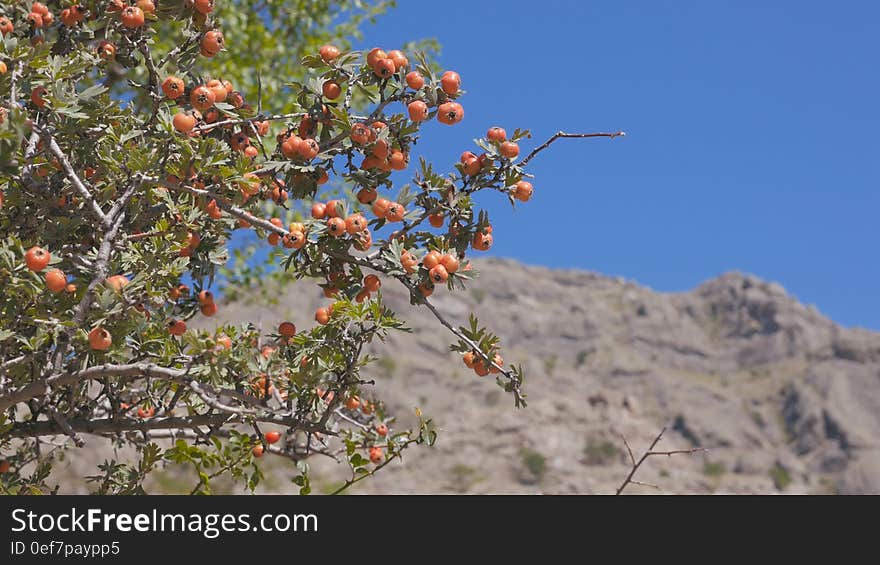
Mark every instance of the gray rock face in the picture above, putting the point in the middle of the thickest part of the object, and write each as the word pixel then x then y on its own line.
pixel 784 399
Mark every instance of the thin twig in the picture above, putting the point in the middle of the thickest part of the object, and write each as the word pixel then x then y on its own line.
pixel 649 453
pixel 560 135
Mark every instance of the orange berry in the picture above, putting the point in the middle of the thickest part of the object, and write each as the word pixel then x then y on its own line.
pixel 400 60
pixel 319 210
pixel 308 149
pixel 72 16
pixel 497 360
pixel 355 223
pixel 450 82
pixel 450 113
pixel 208 309
pixel 184 122
pixel 384 68
pixel 106 50
pixel 295 240
pixel 372 283
pixel 471 164
pixel 395 212
pixel 322 316
pixel 418 111
pixel 37 259
pixel 100 339
pixel 35 19
pixel 398 160
pixel 482 242
pixel 336 227
pixel 202 98
pixel 37 95
pixel 376 454
pixel 450 262
pixel 375 55
pixel 381 149
pixel 436 220
pixel 360 134
pixel 415 80
pixel 367 195
pixel 382 430
pixel 496 134
pixel 431 259
pixel 363 241
pixel 509 149
pixel 173 87
pixel 380 207
pixel 176 327
pixel 257 451
pixel 132 17
pixel 287 329
pixel 290 148
pixel 329 53
pixel 331 90
pixel 469 358
pixel 203 7
pixel 146 413
pixel 353 403
pixel 333 208
pixel 56 281
pixel 272 437
pixel 236 99
pixel 523 191
pixel 438 274
pixel 219 90
pixel 212 43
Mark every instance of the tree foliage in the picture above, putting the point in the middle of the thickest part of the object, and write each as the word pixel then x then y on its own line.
pixel 135 142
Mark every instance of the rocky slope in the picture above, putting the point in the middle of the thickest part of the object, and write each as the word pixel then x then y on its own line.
pixel 784 399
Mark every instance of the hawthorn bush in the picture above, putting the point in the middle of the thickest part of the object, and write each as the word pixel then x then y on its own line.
pixel 130 158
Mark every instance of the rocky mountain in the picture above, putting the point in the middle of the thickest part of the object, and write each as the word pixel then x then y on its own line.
pixel 785 400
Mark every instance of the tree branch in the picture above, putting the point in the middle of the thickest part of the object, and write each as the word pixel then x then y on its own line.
pixel 650 453
pixel 71 174
pixel 113 426
pixel 560 135
pixel 131 371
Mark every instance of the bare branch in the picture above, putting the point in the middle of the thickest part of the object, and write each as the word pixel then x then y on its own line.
pixel 560 135
pixel 13 83
pixel 649 453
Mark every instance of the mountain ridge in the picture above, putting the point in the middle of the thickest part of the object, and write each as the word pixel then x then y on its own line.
pixel 784 399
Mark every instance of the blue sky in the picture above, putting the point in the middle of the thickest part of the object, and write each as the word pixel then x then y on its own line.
pixel 752 136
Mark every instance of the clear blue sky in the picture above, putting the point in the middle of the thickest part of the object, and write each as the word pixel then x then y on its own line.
pixel 752 145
